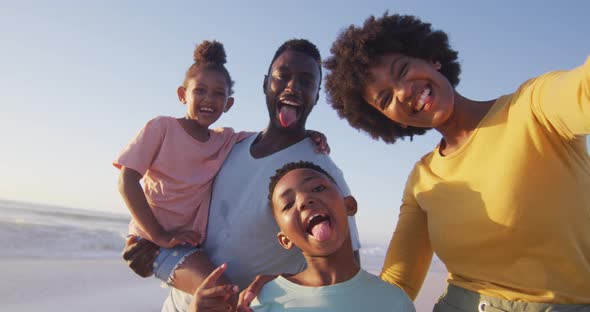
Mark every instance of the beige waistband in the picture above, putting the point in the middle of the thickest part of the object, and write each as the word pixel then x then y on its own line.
pixel 460 299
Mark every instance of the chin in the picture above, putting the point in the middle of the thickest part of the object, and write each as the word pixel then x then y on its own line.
pixel 320 253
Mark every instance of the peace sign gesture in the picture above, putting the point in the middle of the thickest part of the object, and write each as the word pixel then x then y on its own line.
pixel 209 297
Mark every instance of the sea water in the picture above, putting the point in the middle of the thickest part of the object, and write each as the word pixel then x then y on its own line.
pixel 46 231
pixel 35 230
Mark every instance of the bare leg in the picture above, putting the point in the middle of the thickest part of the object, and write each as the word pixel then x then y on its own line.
pixel 193 271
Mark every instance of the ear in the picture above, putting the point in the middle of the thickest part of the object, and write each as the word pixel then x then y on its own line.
pixel 437 65
pixel 351 205
pixel 181 92
pixel 228 104
pixel 264 83
pixel 284 241
pixel 403 125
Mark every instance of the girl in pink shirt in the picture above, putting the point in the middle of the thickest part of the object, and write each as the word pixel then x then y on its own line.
pixel 178 158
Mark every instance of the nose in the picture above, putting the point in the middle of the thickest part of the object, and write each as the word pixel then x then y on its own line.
pixel 402 92
pixel 209 96
pixel 293 85
pixel 305 203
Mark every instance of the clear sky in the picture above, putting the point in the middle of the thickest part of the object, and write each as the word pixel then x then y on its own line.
pixel 78 79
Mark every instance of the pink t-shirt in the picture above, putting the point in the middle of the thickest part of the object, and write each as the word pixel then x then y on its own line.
pixel 178 171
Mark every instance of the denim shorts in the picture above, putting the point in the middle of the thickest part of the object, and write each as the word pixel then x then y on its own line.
pixel 170 259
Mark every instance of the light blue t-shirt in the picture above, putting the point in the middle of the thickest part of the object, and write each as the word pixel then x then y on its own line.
pixel 242 230
pixel 363 292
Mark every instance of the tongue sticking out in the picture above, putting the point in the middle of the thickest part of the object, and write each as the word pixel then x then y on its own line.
pixel 322 230
pixel 287 115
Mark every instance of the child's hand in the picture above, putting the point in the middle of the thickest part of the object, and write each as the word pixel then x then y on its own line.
pixel 209 297
pixel 320 141
pixel 248 294
pixel 140 255
pixel 171 239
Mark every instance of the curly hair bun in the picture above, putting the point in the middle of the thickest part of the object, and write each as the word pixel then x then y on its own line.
pixel 210 52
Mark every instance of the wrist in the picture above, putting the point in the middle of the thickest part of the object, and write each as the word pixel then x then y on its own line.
pixel 157 234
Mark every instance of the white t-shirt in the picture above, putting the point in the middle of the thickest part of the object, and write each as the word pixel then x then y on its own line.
pixel 242 230
pixel 363 292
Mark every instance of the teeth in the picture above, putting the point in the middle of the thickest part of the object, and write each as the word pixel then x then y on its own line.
pixel 207 109
pixel 312 217
pixel 421 99
pixel 289 102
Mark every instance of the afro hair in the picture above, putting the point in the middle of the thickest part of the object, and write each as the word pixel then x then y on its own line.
pixel 357 49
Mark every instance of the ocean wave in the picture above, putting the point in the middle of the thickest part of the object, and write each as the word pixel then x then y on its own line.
pixel 373 250
pixel 58 241
pixel 13 208
pixel 34 230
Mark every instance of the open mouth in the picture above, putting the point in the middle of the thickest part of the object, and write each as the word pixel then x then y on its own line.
pixel 206 110
pixel 319 226
pixel 423 100
pixel 288 111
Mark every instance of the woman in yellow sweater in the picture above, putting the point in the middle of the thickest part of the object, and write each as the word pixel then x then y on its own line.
pixel 504 199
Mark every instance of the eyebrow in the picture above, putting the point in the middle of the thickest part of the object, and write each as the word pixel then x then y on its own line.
pixel 281 68
pixel 284 68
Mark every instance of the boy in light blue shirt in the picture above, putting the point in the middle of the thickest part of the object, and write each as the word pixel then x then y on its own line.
pixel 312 215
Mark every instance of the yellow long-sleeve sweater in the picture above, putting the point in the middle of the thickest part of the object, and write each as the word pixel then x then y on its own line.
pixel 508 213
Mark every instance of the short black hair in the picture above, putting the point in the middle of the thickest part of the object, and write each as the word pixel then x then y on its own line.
pixel 299 45
pixel 281 172
pixel 357 49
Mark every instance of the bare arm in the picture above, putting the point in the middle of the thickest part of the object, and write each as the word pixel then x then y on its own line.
pixel 194 271
pixel 139 208
pixel 134 197
pixel 140 255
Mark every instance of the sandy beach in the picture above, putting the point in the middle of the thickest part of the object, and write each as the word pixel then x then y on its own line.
pixel 53 285
pixel 433 287
pixel 30 284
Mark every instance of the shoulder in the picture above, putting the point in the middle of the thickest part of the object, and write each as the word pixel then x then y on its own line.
pixel 424 163
pixel 161 122
pixel 390 294
pixel 156 127
pixel 580 73
pixel 533 84
pixel 374 281
pixel 306 149
pixel 163 119
pixel 224 131
pixel 271 291
pixel 229 134
pixel 302 151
